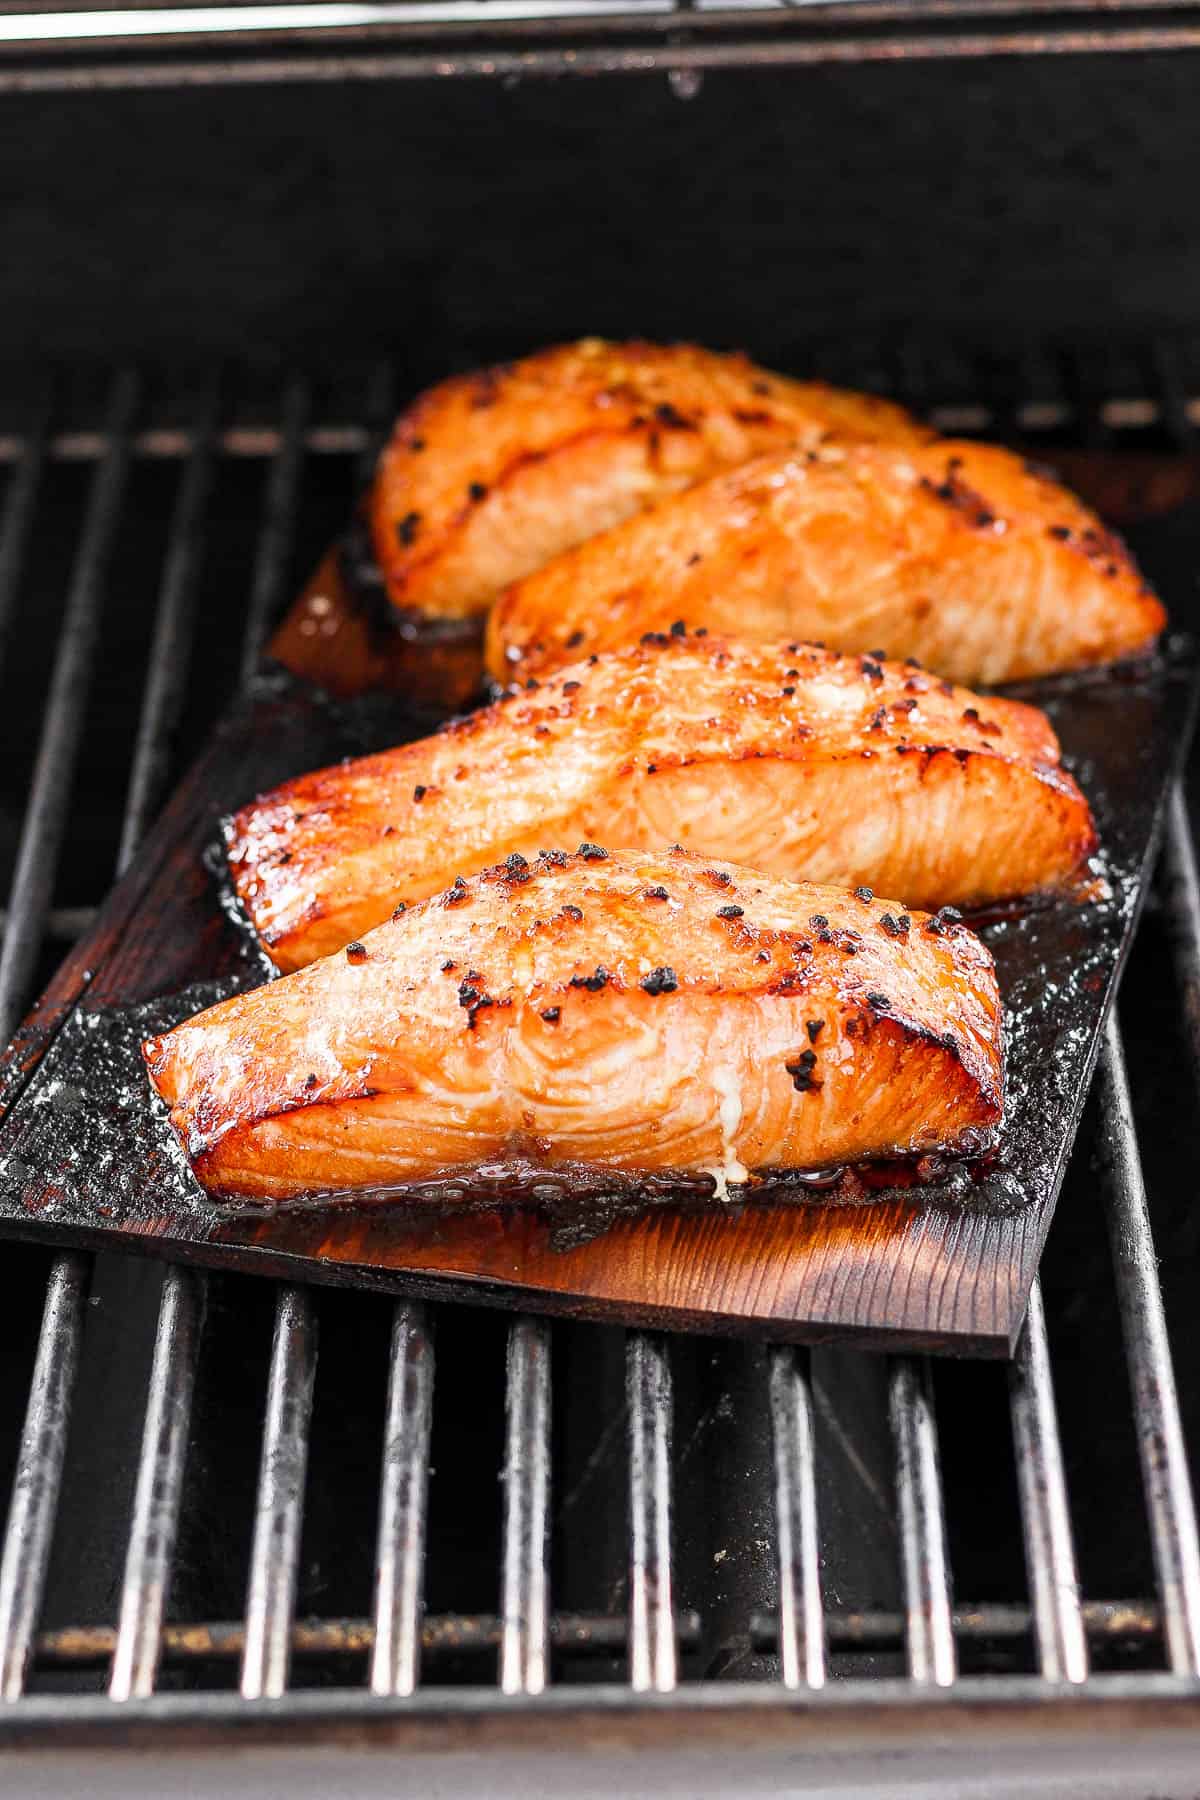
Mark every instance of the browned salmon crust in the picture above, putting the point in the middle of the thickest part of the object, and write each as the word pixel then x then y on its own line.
pixel 783 757
pixel 489 475
pixel 651 1012
pixel 957 553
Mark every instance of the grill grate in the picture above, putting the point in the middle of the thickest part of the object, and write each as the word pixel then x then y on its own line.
pixel 620 1524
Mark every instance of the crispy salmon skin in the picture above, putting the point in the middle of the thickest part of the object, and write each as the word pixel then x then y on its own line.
pixel 488 476
pixel 957 553
pixel 784 757
pixel 653 1012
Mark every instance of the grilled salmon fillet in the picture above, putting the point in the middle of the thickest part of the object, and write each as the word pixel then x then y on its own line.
pixel 489 475
pixel 644 1012
pixel 957 553
pixel 785 757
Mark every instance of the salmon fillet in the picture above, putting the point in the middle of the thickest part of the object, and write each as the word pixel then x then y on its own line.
pixel 489 475
pixel 954 552
pixel 787 758
pixel 634 1012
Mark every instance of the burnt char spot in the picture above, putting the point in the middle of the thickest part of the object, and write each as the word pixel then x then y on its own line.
pixel 819 922
pixel 516 869
pixel 814 1028
pixel 356 953
pixel 593 853
pixel 477 491
pixel 865 894
pixel 457 894
pixel 801 1071
pixel 655 893
pixel 593 983
pixel 407 529
pixel 955 492
pixel 553 859
pixel 668 415
pixel 571 687
pixel 879 1003
pixel 401 908
pixel 730 912
pixel 448 965
pixel 678 628
pixel 1061 532
pixel 419 793
pixel 574 641
pixel 870 669
pixel 659 981
pixel 310 1082
pixel 572 912
pixel 718 877
pixel 551 1014
pixel 895 927
pixel 944 917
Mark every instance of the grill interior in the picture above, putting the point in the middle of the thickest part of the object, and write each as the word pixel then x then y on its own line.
pixel 218 1487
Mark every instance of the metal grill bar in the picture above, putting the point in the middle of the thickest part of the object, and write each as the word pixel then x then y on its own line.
pixel 171 649
pixel 28 68
pixel 280 1508
pixel 449 1634
pixel 925 1565
pixel 400 1553
pixel 1181 895
pixel 168 443
pixel 19 505
pixel 524 1647
pixel 34 1502
pixel 801 1616
pixel 171 443
pixel 279 518
pixel 1161 1447
pixel 1130 1623
pixel 46 814
pixel 159 1487
pixel 276 1546
pixel 651 1611
pixel 1049 1550
pixel 1175 409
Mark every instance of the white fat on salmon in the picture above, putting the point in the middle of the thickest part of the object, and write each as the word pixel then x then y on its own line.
pixel 729 1113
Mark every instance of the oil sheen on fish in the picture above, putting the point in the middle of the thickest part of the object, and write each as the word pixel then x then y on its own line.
pixel 641 1012
pixel 957 553
pixel 784 757
pixel 489 475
